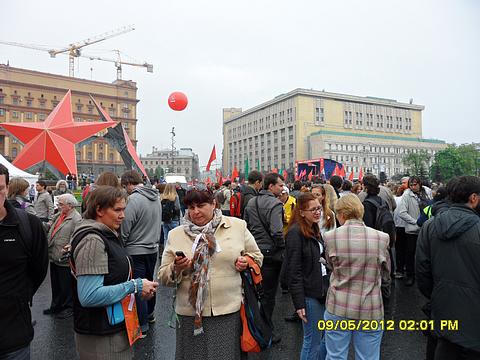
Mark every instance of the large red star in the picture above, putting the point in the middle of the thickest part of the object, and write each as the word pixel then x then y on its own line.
pixel 54 139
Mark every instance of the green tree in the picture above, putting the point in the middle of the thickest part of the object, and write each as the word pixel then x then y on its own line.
pixel 454 161
pixel 159 172
pixel 417 164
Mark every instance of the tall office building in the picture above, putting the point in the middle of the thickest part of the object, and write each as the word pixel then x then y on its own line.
pixel 29 96
pixel 368 132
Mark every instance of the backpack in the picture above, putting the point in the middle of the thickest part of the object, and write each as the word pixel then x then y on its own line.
pixel 257 329
pixel 383 218
pixel 236 204
pixel 220 197
pixel 168 210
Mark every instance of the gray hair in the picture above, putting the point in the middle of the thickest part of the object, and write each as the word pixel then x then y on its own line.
pixel 60 182
pixel 68 199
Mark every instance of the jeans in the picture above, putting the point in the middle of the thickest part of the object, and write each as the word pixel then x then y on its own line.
pixel 61 283
pixel 365 343
pixel 21 354
pixel 167 226
pixel 411 240
pixel 270 275
pixel 447 350
pixel 144 267
pixel 400 250
pixel 313 347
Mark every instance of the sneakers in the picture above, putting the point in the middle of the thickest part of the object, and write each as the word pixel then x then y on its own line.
pixel 151 318
pixel 50 311
pixel 65 314
pixel 398 275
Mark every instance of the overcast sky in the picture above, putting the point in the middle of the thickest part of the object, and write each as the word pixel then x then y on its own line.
pixel 227 53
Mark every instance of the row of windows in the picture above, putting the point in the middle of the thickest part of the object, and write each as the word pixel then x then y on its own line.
pixel 267 122
pixel 41 116
pixel 375 148
pixel 397 125
pixel 166 162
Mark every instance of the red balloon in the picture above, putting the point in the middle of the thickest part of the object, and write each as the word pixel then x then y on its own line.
pixel 177 101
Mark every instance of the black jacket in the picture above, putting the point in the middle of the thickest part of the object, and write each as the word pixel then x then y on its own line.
pixel 248 193
pixel 23 266
pixel 448 272
pixel 270 211
pixel 304 272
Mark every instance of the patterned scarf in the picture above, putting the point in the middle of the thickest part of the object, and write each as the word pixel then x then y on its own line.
pixel 205 246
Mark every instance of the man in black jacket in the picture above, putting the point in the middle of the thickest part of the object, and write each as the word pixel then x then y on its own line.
pixel 264 217
pixel 250 190
pixel 448 270
pixel 23 266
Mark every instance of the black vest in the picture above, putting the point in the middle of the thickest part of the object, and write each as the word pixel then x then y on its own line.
pixel 94 320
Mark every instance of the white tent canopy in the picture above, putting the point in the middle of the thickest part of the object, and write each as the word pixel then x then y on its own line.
pixel 16 172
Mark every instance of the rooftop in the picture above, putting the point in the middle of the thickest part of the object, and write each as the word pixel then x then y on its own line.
pixel 328 95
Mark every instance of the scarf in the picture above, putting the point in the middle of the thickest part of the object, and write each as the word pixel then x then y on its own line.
pixel 204 247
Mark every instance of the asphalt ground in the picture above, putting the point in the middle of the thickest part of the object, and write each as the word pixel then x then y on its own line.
pixel 54 338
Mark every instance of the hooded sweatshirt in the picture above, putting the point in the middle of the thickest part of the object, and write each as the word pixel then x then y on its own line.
pixel 448 272
pixel 142 225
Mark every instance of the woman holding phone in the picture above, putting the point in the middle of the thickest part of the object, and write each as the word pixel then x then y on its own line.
pixel 203 259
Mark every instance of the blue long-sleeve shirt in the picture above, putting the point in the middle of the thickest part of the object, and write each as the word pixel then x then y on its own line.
pixel 92 292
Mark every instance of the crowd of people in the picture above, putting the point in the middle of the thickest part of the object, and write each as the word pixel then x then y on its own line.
pixel 335 246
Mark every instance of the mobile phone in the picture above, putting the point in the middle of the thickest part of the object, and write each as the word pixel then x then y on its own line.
pixel 180 253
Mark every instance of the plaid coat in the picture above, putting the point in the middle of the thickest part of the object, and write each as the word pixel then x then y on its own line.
pixel 360 263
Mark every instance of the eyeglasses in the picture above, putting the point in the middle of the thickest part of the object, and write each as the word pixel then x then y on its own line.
pixel 199 187
pixel 314 210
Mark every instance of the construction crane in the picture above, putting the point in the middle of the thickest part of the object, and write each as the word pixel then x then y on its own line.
pixel 73 50
pixel 118 63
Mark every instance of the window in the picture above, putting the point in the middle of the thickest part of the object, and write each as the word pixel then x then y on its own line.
pixel 125 115
pixel 15 101
pixel 29 103
pixel 41 116
pixel 15 114
pixel 79 108
pixel 1 100
pixel 2 112
pixel 28 115
pixel 79 155
pixel 14 152
pixel 89 156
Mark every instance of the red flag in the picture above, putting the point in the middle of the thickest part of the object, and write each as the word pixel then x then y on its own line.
pixel 208 181
pixel 213 156
pixel 296 177
pixel 218 175
pixel 342 172
pixel 335 171
pixel 285 174
pixel 310 176
pixel 275 170
pixel 235 173
pixel 351 175
pixel 360 174
pixel 322 165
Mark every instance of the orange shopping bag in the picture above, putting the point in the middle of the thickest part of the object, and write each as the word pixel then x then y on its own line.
pixel 132 324
pixel 129 307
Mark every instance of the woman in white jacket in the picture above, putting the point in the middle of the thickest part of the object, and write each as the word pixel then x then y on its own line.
pixel 413 201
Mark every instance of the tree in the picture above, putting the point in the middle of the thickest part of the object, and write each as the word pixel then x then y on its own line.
pixel 455 161
pixel 417 164
pixel 159 172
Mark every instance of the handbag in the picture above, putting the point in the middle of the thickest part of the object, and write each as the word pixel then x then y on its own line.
pixel 129 307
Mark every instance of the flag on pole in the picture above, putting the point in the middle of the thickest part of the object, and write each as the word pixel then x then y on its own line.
pixel 351 175
pixel 218 175
pixel 213 156
pixel 234 173
pixel 247 167
pixel 285 174
pixel 310 175
pixel 322 165
pixel 258 164
pixel 275 170
pixel 360 174
pixel 342 171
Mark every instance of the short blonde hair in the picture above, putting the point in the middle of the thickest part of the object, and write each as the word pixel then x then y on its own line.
pixel 17 186
pixel 350 207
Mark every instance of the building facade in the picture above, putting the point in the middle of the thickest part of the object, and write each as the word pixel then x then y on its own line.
pixel 30 96
pixel 183 162
pixel 372 133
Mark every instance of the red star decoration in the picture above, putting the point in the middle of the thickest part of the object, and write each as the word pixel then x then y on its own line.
pixel 54 139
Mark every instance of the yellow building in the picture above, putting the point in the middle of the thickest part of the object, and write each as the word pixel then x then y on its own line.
pixel 305 124
pixel 30 96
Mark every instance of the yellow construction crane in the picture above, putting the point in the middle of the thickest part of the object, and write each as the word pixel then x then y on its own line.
pixel 73 50
pixel 118 63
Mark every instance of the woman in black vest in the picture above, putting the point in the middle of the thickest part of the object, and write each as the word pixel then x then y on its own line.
pixel 102 269
pixel 306 272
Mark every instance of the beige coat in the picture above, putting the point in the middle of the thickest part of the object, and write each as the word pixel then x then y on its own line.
pixel 62 236
pixel 224 290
